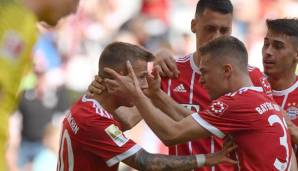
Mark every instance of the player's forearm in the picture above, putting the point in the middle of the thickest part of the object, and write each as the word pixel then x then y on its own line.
pixel 294 133
pixel 157 162
pixel 293 129
pixel 293 162
pixel 161 124
pixel 169 106
pixel 128 117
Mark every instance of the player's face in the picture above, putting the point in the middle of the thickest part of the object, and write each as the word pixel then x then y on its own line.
pixel 58 9
pixel 141 71
pixel 211 25
pixel 212 77
pixel 279 54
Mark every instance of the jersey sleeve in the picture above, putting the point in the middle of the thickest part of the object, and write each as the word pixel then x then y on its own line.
pixel 221 119
pixel 259 80
pixel 104 138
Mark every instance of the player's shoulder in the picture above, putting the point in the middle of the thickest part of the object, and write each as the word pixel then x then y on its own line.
pixel 254 70
pixel 243 95
pixel 240 99
pixel 184 59
pixel 291 91
pixel 88 108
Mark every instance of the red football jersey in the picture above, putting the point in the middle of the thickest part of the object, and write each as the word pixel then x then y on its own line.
pixel 288 100
pixel 188 91
pixel 256 124
pixel 92 140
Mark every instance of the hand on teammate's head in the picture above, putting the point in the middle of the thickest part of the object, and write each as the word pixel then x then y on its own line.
pixel 154 82
pixel 96 87
pixel 165 61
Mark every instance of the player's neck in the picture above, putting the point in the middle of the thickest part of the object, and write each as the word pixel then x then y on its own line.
pixel 240 82
pixel 282 82
pixel 106 101
pixel 197 58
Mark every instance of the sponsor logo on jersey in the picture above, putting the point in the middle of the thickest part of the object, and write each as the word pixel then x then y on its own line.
pixel 218 107
pixel 180 88
pixel 292 110
pixel 116 135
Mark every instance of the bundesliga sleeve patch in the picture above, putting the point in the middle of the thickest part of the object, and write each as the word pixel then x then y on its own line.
pixel 218 107
pixel 116 135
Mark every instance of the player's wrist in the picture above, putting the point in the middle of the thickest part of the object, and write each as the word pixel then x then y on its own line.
pixel 156 94
pixel 201 160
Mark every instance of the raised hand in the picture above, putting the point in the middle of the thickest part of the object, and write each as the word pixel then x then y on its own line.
pixel 96 87
pixel 126 85
pixel 222 156
pixel 165 63
pixel 154 82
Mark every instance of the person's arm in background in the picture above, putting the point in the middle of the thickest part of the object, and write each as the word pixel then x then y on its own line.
pixel 293 129
pixel 293 161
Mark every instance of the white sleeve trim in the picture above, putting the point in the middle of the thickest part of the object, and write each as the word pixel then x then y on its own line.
pixel 123 156
pixel 207 125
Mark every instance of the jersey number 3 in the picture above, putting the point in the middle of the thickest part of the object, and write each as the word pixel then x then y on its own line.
pixel 283 142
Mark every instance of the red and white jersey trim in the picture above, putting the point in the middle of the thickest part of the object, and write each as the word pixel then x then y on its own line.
pixel 206 125
pixel 183 59
pixel 98 108
pixel 286 91
pixel 117 159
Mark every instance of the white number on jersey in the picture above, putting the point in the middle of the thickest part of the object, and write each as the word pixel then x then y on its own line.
pixel 283 142
pixel 65 136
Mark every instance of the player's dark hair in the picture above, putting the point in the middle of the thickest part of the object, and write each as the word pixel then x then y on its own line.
pixel 227 47
pixel 116 54
pixel 285 26
pixel 221 6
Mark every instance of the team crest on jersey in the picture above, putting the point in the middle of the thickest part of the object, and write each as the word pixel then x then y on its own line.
pixel 292 110
pixel 218 107
pixel 116 135
pixel 12 45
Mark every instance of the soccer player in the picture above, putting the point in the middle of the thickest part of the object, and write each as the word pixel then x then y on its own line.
pixel 246 113
pixel 280 56
pixel 213 19
pixel 17 36
pixel 92 139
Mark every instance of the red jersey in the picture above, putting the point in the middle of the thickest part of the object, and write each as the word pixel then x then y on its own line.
pixel 257 126
pixel 188 91
pixel 288 100
pixel 92 140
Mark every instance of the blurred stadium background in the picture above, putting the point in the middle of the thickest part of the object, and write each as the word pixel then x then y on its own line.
pixel 65 60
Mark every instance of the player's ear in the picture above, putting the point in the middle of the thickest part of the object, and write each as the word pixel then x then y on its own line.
pixel 194 24
pixel 227 70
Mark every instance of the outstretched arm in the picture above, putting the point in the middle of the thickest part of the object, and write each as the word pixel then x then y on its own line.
pixel 145 161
